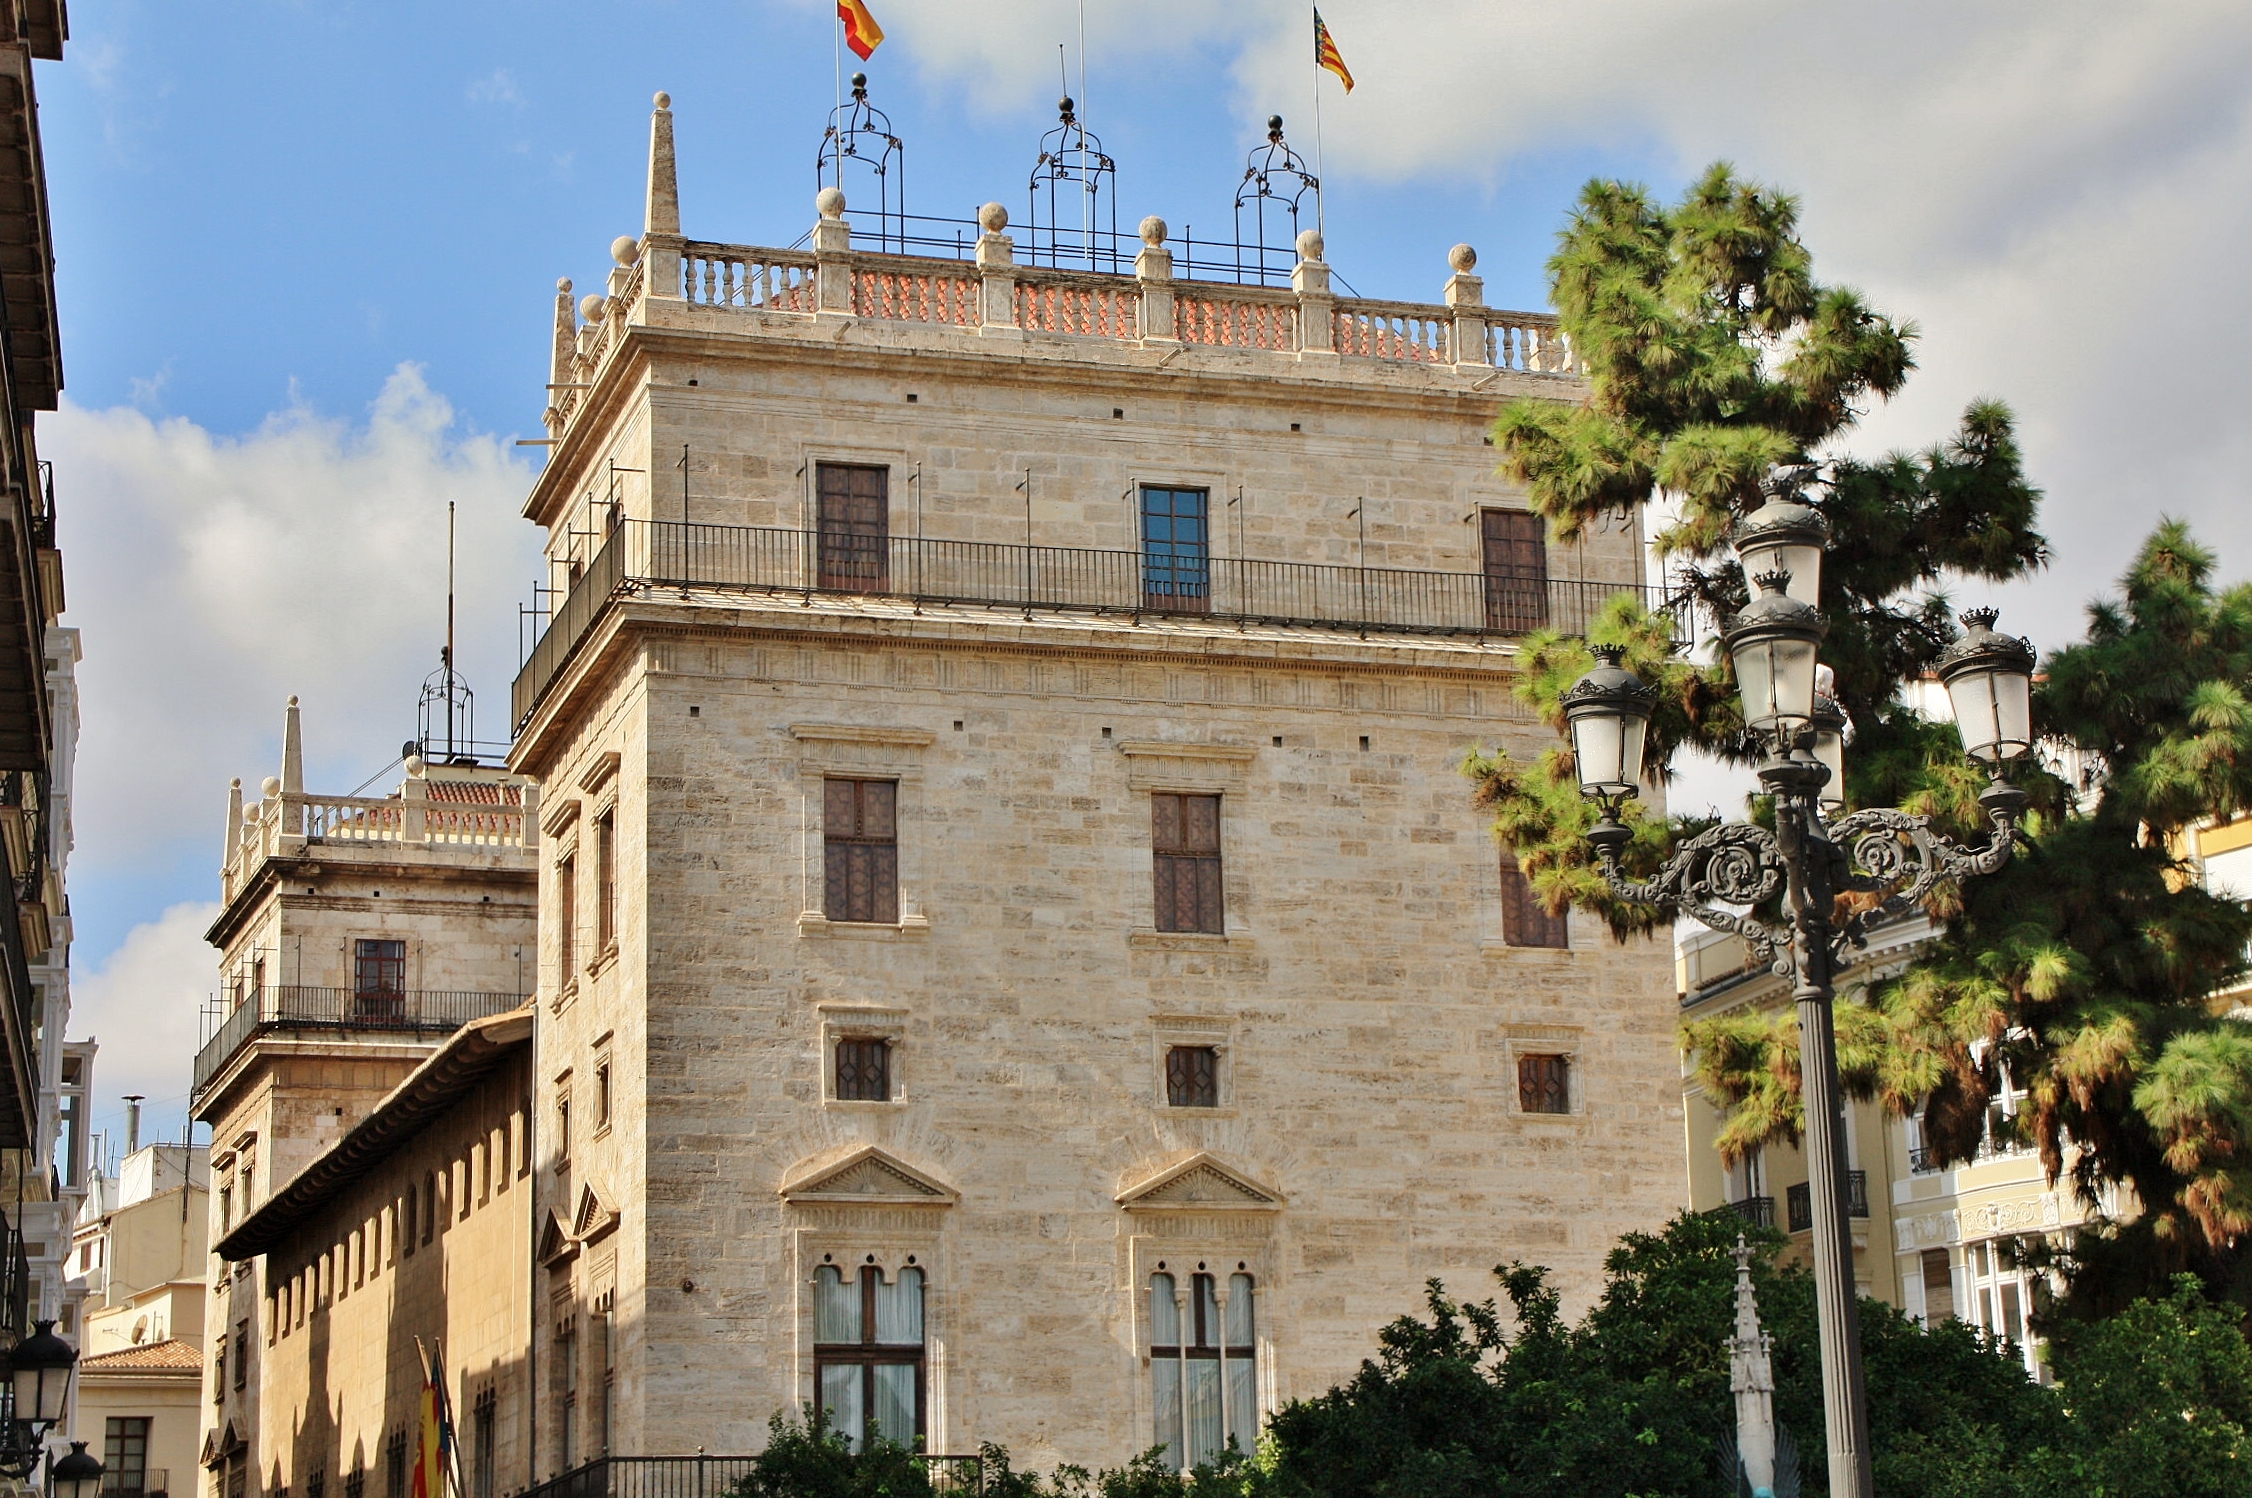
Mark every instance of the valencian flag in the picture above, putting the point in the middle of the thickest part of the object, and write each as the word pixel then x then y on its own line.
pixel 861 33
pixel 434 1429
pixel 1326 54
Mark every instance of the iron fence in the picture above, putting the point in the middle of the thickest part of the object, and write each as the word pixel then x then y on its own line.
pixel 1801 1200
pixel 682 554
pixel 716 1477
pixel 1759 1211
pixel 390 1010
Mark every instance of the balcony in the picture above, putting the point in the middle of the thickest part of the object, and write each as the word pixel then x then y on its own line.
pixel 343 1011
pixel 715 1477
pixel 1801 1200
pixel 1758 1211
pixel 641 554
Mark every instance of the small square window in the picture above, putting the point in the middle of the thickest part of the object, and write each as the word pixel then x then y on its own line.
pixel 1544 1084
pixel 1192 1076
pixel 864 1070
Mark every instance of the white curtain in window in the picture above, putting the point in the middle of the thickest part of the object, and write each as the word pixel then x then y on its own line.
pixel 836 1306
pixel 899 1309
pixel 1165 1368
pixel 1242 1383
pixel 893 1418
pixel 1204 1409
pixel 840 1401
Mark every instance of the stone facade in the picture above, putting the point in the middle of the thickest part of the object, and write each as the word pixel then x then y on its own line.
pixel 357 933
pixel 410 1237
pixel 1360 1001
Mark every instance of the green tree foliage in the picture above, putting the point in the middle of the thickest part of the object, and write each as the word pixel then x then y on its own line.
pixel 1476 1400
pixel 1721 372
pixel 2086 967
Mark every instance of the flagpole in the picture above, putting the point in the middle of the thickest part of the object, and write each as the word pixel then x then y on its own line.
pixel 836 52
pixel 1321 173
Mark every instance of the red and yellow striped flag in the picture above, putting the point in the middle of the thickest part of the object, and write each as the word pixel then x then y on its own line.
pixel 861 32
pixel 1326 54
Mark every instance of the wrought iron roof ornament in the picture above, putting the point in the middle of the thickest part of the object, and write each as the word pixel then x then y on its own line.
pixel 1074 174
pixel 1275 184
pixel 861 134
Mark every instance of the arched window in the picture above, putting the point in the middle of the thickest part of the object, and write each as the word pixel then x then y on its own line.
pixel 1203 1359
pixel 868 1354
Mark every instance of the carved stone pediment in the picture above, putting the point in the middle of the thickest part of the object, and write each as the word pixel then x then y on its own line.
pixel 867 1176
pixel 594 1219
pixel 557 1246
pixel 1200 1183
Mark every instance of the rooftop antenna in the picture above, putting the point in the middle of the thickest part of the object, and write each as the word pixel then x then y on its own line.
pixel 445 695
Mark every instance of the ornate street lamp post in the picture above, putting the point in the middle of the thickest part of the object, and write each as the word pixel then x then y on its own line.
pixel 1816 852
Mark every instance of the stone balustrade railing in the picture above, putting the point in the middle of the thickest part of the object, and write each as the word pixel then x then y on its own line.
pixel 285 824
pixel 993 294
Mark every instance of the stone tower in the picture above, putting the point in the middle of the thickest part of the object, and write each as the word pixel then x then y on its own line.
pixel 1018 959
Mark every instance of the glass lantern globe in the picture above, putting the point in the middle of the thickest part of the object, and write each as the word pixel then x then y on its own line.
pixel 76 1474
pixel 1830 728
pixel 40 1367
pixel 1608 713
pixel 1989 680
pixel 1785 536
pixel 1772 646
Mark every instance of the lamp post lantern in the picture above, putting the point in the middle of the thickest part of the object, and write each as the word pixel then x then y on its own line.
pixel 1816 851
pixel 39 1374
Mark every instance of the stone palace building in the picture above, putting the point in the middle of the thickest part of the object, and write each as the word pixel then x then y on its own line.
pixel 1017 959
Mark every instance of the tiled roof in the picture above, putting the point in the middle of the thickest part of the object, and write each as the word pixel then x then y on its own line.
pixel 170 1355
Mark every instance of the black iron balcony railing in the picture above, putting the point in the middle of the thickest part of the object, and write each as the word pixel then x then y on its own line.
pixel 676 554
pixel 716 1477
pixel 395 1011
pixel 1759 1211
pixel 1801 1200
pixel 1922 1161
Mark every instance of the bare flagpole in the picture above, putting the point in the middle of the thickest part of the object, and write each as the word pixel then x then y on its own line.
pixel 1321 174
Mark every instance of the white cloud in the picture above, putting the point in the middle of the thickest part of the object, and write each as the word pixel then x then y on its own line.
pixel 213 577
pixel 141 1005
pixel 496 87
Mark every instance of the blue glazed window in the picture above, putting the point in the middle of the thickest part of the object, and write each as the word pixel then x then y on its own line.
pixel 1176 549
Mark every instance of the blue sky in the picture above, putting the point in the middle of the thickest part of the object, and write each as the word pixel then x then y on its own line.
pixel 307 254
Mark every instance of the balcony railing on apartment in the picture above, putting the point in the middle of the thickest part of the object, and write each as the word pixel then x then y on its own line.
pixel 677 554
pixel 419 1012
pixel 1759 1211
pixel 716 1477
pixel 1801 1200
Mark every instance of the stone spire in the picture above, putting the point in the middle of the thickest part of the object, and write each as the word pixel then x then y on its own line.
pixel 234 822
pixel 664 180
pixel 566 338
pixel 293 773
pixel 1751 1378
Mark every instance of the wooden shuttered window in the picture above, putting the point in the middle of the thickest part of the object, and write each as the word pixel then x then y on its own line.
pixel 1544 1084
pixel 1525 921
pixel 860 851
pixel 854 523
pixel 864 1070
pixel 1516 567
pixel 1192 1076
pixel 1185 842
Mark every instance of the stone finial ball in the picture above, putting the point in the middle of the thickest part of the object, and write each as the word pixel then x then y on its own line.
pixel 563 284
pixel 1153 231
pixel 250 813
pixel 293 699
pixel 270 787
pixel 234 783
pixel 625 249
pixel 663 100
pixel 415 764
pixel 1309 244
pixel 590 307
pixel 829 202
pixel 1463 258
pixel 993 218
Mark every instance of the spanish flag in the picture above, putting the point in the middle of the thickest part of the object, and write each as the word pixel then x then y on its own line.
pixel 861 32
pixel 1326 54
